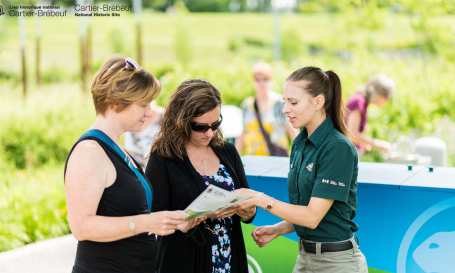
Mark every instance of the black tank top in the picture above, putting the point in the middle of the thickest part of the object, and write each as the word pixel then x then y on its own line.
pixel 123 198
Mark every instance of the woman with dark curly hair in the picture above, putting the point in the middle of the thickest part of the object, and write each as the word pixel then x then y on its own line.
pixel 187 156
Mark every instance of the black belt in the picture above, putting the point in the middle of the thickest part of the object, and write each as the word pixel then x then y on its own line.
pixel 326 247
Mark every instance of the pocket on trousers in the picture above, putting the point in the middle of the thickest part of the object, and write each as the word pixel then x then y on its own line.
pixel 361 261
pixel 336 262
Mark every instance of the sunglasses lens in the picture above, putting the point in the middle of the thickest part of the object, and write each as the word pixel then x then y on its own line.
pixel 199 127
pixel 131 65
pixel 204 128
pixel 216 125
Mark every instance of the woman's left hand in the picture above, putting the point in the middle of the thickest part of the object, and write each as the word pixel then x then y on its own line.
pixel 185 226
pixel 246 214
pixel 224 213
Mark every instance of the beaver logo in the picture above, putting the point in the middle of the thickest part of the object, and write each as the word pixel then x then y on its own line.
pixel 1 11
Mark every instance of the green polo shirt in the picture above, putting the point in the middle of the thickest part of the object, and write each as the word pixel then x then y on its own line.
pixel 324 165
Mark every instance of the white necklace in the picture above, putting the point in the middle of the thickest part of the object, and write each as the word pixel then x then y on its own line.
pixel 202 160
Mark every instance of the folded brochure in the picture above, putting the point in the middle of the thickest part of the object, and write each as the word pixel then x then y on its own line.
pixel 211 200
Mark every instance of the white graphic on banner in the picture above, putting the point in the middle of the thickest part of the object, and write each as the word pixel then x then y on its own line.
pixel 436 253
pixel 255 264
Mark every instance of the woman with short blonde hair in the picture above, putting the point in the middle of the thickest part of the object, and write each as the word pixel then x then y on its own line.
pixel 108 197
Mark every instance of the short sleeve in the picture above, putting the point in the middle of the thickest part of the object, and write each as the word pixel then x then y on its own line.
pixel 354 103
pixel 334 173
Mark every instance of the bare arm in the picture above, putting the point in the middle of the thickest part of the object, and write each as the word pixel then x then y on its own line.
pixel 284 228
pixel 89 172
pixel 353 124
pixel 265 234
pixel 308 216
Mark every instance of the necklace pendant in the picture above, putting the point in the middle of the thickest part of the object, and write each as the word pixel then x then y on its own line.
pixel 202 163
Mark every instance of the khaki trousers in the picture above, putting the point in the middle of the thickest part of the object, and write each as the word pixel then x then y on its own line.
pixel 347 261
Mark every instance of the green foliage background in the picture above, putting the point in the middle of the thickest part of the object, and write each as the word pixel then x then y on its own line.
pixel 412 43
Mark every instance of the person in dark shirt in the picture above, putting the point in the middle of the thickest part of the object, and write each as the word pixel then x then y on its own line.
pixel 322 180
pixel 188 155
pixel 107 196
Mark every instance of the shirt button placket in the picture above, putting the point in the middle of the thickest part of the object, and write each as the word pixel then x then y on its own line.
pixel 297 172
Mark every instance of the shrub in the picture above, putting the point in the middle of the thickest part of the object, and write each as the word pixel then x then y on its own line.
pixel 32 206
pixel 45 126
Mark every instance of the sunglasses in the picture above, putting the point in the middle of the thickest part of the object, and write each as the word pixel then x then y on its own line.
pixel 204 128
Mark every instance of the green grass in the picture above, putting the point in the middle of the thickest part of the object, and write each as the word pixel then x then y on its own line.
pixel 209 34
pixel 32 206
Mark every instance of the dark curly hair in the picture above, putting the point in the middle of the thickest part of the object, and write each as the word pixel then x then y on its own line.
pixel 193 98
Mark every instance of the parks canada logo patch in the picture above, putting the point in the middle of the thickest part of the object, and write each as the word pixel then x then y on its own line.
pixel 1 11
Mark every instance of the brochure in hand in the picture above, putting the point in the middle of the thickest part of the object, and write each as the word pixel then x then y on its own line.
pixel 211 200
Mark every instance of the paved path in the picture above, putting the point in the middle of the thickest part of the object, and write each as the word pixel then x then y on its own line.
pixel 49 256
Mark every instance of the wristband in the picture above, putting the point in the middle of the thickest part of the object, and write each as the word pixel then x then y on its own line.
pixel 133 225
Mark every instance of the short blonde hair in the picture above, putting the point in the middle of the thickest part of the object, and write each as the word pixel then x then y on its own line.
pixel 264 69
pixel 114 84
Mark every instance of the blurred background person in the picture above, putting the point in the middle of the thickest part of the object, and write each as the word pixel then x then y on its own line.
pixel 269 135
pixel 138 144
pixel 378 91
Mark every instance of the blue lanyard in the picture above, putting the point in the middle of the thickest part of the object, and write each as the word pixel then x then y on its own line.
pixel 104 138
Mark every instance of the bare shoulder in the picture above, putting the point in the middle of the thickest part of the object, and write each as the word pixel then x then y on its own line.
pixel 88 150
pixel 88 159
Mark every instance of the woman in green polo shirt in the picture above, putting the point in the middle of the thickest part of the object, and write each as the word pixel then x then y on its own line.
pixel 322 180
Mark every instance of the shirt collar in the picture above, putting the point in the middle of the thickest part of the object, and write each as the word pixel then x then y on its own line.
pixel 319 135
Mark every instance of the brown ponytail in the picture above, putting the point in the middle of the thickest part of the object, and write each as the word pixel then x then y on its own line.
pixel 327 84
pixel 336 108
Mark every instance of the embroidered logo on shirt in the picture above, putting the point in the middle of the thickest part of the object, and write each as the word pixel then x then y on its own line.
pixel 331 182
pixel 309 167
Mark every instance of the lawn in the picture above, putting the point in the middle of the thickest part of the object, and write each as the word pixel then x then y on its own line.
pixel 38 132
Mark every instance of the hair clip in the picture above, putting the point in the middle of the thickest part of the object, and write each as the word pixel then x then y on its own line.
pixel 130 63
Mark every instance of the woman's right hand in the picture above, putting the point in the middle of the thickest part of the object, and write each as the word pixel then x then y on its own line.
pixel 184 227
pixel 265 234
pixel 224 213
pixel 165 222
